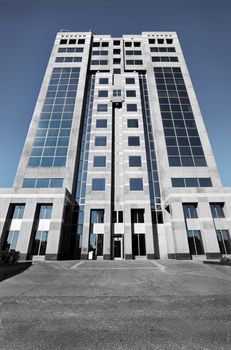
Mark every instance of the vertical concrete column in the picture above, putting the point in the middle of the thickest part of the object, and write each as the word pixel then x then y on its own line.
pixel 179 232
pixel 107 235
pixel 149 234
pixel 26 228
pixel 55 229
pixel 85 238
pixel 127 232
pixel 208 231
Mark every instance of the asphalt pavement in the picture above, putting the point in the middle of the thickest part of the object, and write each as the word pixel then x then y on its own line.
pixel 158 304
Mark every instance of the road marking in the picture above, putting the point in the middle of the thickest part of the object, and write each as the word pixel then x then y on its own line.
pixel 76 265
pixel 116 268
pixel 57 267
pixel 160 266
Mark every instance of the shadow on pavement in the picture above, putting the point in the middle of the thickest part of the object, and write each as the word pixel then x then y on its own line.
pixel 11 269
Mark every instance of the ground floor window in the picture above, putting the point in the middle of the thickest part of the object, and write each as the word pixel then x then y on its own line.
pixel 138 244
pixel 96 244
pixel 195 242
pixel 11 240
pixel 224 241
pixel 40 243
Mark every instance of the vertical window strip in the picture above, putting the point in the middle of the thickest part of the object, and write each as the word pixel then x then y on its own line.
pixel 52 135
pixel 150 148
pixel 82 171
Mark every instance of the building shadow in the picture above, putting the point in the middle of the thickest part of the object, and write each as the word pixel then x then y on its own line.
pixel 9 270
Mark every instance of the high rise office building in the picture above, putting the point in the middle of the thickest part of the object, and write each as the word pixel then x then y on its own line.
pixel 117 161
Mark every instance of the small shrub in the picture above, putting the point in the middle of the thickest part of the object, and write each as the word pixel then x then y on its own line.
pixel 9 256
pixel 225 260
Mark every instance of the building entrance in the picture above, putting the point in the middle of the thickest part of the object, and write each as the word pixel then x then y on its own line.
pixel 118 247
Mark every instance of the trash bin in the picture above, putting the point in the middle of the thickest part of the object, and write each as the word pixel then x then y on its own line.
pixel 90 255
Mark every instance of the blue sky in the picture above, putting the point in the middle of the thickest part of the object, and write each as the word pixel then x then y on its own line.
pixel 28 29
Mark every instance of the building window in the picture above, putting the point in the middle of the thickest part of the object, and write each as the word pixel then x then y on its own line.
pixel 51 139
pixel 116 71
pixel 116 42
pixel 97 216
pixel 136 184
pixel 40 243
pixel 178 182
pixel 182 139
pixel 130 81
pixel 195 242
pixel 99 161
pixel 132 123
pixel 191 182
pixel 63 42
pixel 190 210
pixel 103 81
pixel 42 183
pixel 116 51
pixel 45 211
pixel 133 141
pixel 134 161
pixel 137 216
pixel 100 141
pixel 11 240
pixel 138 244
pixel 102 93
pixel 120 218
pixel 102 107
pixel 131 107
pixel 224 242
pixel 18 211
pixel 130 93
pixel 205 182
pixel 217 210
pixel 98 184
pixel 116 60
pixel 81 41
pixel 117 93
pixel 101 123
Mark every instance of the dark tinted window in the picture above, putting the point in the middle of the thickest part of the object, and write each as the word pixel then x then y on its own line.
pixel 134 161
pixel 132 123
pixel 98 184
pixel 100 141
pixel 130 80
pixel 101 123
pixel 133 141
pixel 102 93
pixel 99 161
pixel 136 184
pixel 131 93
pixel 131 107
pixel 103 80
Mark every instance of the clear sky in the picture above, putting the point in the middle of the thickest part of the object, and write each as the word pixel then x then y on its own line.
pixel 28 29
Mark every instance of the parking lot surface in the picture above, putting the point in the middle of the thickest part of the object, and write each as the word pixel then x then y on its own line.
pixel 141 304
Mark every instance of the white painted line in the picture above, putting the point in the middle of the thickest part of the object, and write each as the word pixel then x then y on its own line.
pixel 56 267
pixel 160 266
pixel 115 268
pixel 76 265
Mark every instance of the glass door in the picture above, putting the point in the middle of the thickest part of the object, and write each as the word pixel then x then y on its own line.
pixel 118 248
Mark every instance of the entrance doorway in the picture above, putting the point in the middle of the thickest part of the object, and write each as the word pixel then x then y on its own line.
pixel 138 244
pixel 118 247
pixel 96 245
